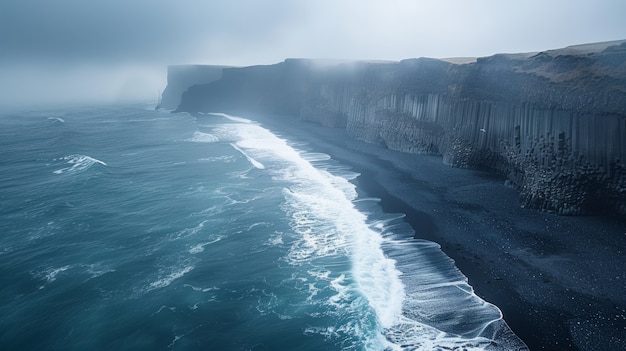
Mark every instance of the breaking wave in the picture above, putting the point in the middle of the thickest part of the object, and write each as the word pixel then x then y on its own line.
pixel 78 163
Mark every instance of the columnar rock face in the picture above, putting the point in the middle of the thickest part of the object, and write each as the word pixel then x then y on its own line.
pixel 181 77
pixel 553 122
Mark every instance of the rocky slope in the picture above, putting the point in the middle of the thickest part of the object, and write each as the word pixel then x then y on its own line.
pixel 553 122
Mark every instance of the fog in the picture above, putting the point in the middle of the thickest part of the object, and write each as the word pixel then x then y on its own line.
pixel 96 51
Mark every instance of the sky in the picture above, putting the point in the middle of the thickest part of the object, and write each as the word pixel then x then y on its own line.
pixel 113 50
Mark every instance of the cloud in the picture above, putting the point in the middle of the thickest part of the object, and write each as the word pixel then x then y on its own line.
pixel 58 39
pixel 408 28
pixel 168 31
pixel 139 30
pixel 50 84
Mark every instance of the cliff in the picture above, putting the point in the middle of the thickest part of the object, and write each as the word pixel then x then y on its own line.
pixel 181 77
pixel 553 122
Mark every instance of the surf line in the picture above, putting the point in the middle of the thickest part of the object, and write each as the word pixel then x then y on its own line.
pixel 254 162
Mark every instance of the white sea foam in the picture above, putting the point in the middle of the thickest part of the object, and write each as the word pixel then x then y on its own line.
pixel 409 334
pixel 437 311
pixel 198 248
pixel 96 270
pixel 232 118
pixel 58 119
pixel 195 288
pixel 178 337
pixel 257 224
pixel 320 205
pixel 254 162
pixel 367 199
pixel 276 239
pixel 78 163
pixel 315 156
pixel 226 159
pixel 50 274
pixel 170 277
pixel 199 137
pixel 163 307
pixel 189 231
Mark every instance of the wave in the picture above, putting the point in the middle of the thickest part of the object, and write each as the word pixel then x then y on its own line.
pixel 96 270
pixel 199 137
pixel 254 162
pixel 189 231
pixel 329 229
pixel 57 119
pixel 225 159
pixel 315 156
pixel 170 277
pixel 276 239
pixel 232 118
pixel 78 163
pixel 50 274
pixel 198 248
pixel 421 302
pixel 195 288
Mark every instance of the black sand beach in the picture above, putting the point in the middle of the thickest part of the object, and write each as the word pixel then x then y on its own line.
pixel 559 281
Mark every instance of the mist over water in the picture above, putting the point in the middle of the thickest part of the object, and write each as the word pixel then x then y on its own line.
pixel 129 228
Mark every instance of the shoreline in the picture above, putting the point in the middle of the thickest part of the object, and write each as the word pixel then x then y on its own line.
pixel 559 281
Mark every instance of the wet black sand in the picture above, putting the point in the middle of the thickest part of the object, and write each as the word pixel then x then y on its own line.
pixel 559 281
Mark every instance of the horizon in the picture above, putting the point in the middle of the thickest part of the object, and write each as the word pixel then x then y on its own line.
pixel 339 60
pixel 149 79
pixel 73 52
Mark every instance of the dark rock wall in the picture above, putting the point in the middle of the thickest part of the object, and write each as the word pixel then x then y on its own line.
pixel 559 160
pixel 181 77
pixel 277 89
pixel 553 122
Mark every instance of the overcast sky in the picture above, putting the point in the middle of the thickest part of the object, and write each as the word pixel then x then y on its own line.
pixel 103 49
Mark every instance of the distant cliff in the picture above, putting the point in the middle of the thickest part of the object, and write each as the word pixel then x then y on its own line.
pixel 181 77
pixel 553 122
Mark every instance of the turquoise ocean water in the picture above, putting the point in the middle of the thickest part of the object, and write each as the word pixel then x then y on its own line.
pixel 125 228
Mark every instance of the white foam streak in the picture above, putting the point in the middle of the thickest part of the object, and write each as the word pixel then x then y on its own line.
pixel 225 159
pixel 199 137
pixel 189 231
pixel 324 216
pixel 169 278
pixel 195 288
pixel 232 118
pixel 437 310
pixel 200 247
pixel 58 119
pixel 254 162
pixel 79 163
pixel 385 295
pixel 315 157
pixel 276 239
pixel 50 274
pixel 375 274
pixel 96 270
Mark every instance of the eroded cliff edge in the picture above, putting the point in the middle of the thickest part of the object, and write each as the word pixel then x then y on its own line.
pixel 553 122
pixel 181 77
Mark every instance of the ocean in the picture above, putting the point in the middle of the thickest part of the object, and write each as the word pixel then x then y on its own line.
pixel 126 228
